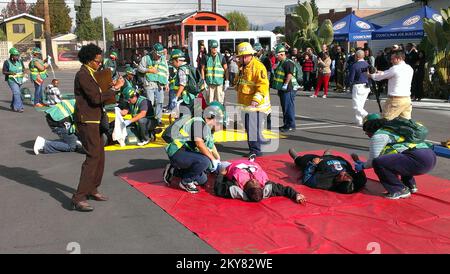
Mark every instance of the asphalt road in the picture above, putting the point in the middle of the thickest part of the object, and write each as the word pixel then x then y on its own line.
pixel 35 191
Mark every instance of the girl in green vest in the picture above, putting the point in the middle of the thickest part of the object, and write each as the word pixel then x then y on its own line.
pixel 13 69
pixel 391 156
pixel 38 70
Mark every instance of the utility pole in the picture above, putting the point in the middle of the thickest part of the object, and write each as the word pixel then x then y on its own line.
pixel 214 6
pixel 48 33
pixel 103 29
pixel 199 5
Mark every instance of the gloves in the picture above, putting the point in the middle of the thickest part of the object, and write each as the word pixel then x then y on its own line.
pixel 359 166
pixel 285 87
pixel 214 165
pixel 49 59
pixel 227 85
pixel 127 122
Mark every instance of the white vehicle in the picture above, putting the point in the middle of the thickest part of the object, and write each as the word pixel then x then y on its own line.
pixel 228 40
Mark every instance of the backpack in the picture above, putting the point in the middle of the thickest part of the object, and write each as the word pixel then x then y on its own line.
pixel 412 131
pixel 178 124
pixel 195 82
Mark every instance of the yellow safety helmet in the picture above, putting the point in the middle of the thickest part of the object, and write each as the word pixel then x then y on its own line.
pixel 245 48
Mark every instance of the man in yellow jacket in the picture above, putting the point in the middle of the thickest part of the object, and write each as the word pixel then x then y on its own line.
pixel 253 96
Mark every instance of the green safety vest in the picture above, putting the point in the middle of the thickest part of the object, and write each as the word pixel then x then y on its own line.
pixel 162 75
pixel 187 96
pixel 35 71
pixel 108 63
pixel 134 108
pixel 17 68
pixel 399 145
pixel 63 110
pixel 280 77
pixel 183 137
pixel 214 72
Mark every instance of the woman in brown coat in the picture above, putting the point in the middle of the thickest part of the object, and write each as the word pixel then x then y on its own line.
pixel 88 112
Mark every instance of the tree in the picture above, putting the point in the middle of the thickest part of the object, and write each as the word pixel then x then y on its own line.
pixel 60 21
pixel 109 29
pixel 279 30
pixel 255 27
pixel 85 28
pixel 16 7
pixel 314 5
pixel 237 21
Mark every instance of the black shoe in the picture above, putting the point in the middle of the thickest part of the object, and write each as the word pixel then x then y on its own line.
pixel 168 174
pixel 293 153
pixel 412 187
pixel 405 193
pixel 290 129
pixel 189 187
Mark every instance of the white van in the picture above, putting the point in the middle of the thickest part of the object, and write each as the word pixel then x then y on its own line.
pixel 228 40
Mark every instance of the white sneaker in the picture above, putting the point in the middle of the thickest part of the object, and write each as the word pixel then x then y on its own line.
pixel 143 143
pixel 79 144
pixel 38 145
pixel 324 97
pixel 313 96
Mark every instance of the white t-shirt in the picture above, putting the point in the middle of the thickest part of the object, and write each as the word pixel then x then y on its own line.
pixel 400 78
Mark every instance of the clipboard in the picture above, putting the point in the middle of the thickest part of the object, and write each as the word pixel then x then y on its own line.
pixel 104 80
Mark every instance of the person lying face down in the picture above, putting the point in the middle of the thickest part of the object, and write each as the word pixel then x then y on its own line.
pixel 329 172
pixel 246 180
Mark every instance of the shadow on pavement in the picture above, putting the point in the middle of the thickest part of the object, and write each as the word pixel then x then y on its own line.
pixel 142 164
pixel 32 178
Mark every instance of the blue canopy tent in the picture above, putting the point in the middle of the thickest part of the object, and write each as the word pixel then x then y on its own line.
pixel 352 28
pixel 409 27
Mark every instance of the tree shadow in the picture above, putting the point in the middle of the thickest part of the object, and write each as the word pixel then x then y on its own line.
pixel 141 165
pixel 232 150
pixel 32 178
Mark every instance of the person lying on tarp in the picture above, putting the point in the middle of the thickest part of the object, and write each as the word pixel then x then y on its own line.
pixel 246 180
pixel 329 172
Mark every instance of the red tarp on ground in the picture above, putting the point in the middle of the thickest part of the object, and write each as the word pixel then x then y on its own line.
pixel 329 223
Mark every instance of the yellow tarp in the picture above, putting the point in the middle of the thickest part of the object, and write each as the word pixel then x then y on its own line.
pixel 219 137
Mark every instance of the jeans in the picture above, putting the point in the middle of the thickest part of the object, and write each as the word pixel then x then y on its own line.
pixel 307 80
pixel 16 102
pixel 287 99
pixel 406 165
pixel 155 94
pixel 172 100
pixel 191 166
pixel 68 142
pixel 142 130
pixel 253 127
pixel 38 93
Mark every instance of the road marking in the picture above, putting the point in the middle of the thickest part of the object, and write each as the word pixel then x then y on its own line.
pixel 324 126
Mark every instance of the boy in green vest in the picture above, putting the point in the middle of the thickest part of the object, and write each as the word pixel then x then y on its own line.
pixel 111 63
pixel 38 71
pixel 13 69
pixel 60 118
pixel 156 80
pixel 142 114
pixel 192 152
pixel 215 74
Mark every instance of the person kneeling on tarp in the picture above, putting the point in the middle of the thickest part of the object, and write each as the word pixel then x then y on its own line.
pixel 60 118
pixel 142 115
pixel 246 180
pixel 397 149
pixel 329 172
pixel 191 148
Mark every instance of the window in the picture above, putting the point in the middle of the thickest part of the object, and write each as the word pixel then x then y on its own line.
pixel 265 42
pixel 211 28
pixel 199 28
pixel 187 30
pixel 37 31
pixel 18 28
pixel 222 28
pixel 226 44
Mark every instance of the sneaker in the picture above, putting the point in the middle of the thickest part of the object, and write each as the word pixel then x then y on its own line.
pixel 39 105
pixel 324 97
pixel 79 144
pixel 412 188
pixel 189 187
pixel 252 157
pixel 405 193
pixel 168 174
pixel 38 145
pixel 313 96
pixel 143 143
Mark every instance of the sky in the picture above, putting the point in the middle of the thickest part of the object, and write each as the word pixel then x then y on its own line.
pixel 259 12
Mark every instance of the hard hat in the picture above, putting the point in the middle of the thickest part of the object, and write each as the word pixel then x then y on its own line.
pixel 129 70
pixel 36 50
pixel 129 93
pixel 177 54
pixel 245 48
pixel 372 116
pixel 280 48
pixel 14 51
pixel 213 44
pixel 113 54
pixel 158 48
pixel 215 110
pixel 257 46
